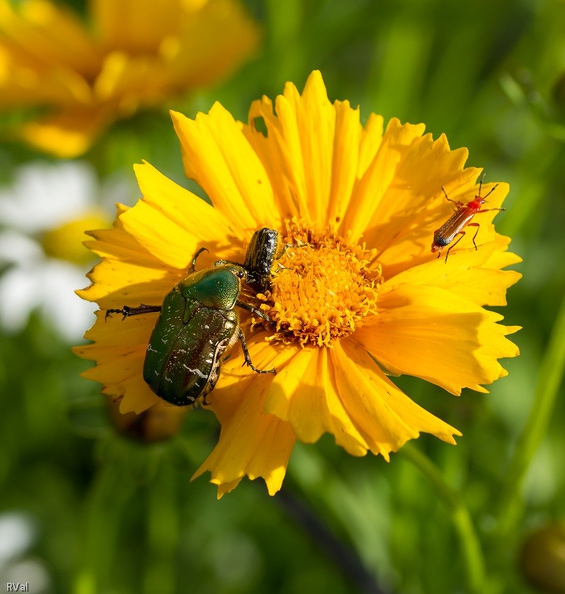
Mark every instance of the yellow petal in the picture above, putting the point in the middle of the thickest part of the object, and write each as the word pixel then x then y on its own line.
pixel 475 275
pixel 158 423
pixel 310 118
pixel 216 36
pixel 171 223
pixel 119 351
pixel 67 134
pixel 46 33
pixel 304 394
pixel 436 335
pixel 64 241
pixel 384 415
pixel 138 25
pixel 121 81
pixel 398 190
pixel 128 274
pixel 252 442
pixel 346 159
pixel 407 240
pixel 368 193
pixel 219 158
pixel 235 371
pixel 304 130
pixel 371 138
pixel 196 42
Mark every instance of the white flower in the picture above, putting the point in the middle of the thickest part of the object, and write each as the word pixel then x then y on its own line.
pixel 45 212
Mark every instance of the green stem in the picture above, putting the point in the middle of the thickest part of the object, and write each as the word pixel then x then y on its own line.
pixel 472 552
pixel 103 507
pixel 162 533
pixel 549 380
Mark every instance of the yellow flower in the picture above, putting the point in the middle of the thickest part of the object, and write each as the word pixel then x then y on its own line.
pixel 356 294
pixel 158 423
pixel 131 55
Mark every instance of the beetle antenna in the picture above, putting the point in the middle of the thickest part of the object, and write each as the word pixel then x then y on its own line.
pixel 447 197
pixel 489 192
pixel 481 184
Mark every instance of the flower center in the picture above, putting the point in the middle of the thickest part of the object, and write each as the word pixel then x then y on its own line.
pixel 322 287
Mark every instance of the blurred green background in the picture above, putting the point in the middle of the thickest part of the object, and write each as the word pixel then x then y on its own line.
pixel 85 510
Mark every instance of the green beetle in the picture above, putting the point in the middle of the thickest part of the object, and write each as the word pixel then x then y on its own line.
pixel 197 327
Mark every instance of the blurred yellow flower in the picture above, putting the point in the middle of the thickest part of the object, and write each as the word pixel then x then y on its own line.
pixel 43 215
pixel 158 423
pixel 357 293
pixel 130 55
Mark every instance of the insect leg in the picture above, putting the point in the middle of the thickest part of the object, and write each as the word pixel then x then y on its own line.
pixel 287 246
pixel 478 226
pixel 462 233
pixel 193 265
pixel 254 310
pixel 488 209
pixel 127 311
pixel 248 358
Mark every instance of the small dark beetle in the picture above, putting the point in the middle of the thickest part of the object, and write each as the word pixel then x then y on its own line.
pixel 196 328
pixel 259 259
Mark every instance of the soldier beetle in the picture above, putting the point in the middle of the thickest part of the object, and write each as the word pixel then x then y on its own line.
pixel 460 219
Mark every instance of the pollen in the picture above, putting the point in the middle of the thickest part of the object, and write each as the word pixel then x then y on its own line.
pixel 322 287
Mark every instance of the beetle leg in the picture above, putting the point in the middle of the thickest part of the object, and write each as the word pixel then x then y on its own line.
pixel 248 358
pixel 127 311
pixel 214 376
pixel 283 250
pixel 478 226
pixel 462 233
pixel 287 246
pixel 193 265
pixel 254 310
pixel 488 209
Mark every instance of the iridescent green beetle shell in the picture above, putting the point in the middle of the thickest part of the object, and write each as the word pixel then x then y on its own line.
pixel 197 325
